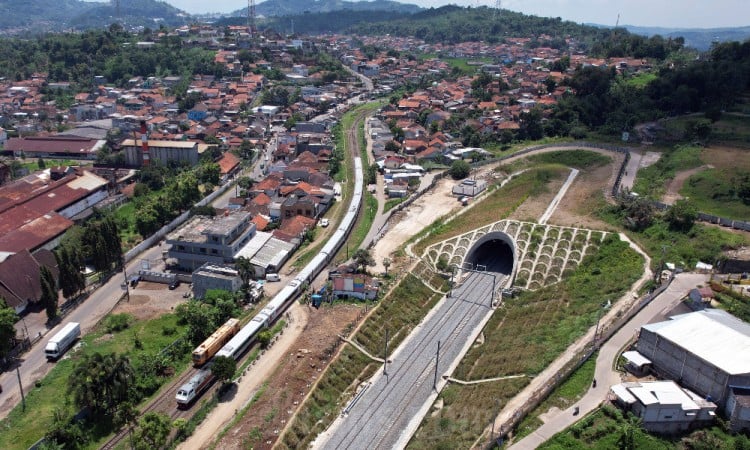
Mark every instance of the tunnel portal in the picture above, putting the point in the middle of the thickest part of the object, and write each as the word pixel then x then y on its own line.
pixel 493 252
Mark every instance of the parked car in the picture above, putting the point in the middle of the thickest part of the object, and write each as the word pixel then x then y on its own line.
pixel 324 222
pixel 173 285
pixel 273 277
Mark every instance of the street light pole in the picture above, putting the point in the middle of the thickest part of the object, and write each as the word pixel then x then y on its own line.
pixel 437 361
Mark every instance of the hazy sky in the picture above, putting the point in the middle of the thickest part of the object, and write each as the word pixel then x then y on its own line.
pixel 666 13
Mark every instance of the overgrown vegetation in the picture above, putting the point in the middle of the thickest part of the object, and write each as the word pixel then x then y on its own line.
pixel 580 159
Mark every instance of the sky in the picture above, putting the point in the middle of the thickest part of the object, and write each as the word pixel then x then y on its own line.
pixel 662 13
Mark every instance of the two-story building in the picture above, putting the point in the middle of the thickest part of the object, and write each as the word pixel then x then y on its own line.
pixel 210 239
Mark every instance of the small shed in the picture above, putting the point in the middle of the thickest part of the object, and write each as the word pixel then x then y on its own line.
pixel 636 364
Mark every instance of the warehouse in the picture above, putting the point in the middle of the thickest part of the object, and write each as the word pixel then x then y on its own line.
pixel 706 351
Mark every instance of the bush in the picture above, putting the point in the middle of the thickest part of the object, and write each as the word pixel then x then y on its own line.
pixel 459 169
pixel 117 322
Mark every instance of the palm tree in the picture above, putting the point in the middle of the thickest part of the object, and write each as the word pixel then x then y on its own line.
pixel 102 383
pixel 386 264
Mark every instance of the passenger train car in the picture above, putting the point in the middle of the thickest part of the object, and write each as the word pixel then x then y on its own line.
pixel 213 343
pixel 246 335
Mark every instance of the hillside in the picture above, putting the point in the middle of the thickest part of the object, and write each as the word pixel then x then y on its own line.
pixel 698 38
pixel 272 8
pixel 30 16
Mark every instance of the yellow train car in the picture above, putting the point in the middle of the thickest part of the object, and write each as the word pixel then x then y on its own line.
pixel 213 343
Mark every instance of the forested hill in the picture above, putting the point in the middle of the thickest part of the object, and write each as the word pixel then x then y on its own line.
pixel 453 24
pixel 19 16
pixel 270 8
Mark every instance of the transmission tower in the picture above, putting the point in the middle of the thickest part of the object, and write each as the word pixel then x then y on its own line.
pixel 117 8
pixel 498 5
pixel 251 18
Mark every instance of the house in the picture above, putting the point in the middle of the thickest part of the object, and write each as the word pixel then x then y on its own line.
pixel 700 298
pixel 215 276
pixel 358 286
pixel 20 282
pixel 664 406
pixel 163 152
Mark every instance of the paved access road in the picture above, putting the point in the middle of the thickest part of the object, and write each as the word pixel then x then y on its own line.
pixel 390 409
pixel 605 375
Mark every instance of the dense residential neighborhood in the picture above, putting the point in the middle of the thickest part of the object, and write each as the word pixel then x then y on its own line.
pixel 274 190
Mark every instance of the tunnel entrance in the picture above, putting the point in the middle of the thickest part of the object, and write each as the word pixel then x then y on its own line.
pixel 494 252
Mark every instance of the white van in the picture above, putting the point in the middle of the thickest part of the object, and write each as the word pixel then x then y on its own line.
pixel 273 277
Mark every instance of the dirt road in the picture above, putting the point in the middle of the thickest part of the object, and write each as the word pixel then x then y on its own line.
pixel 249 383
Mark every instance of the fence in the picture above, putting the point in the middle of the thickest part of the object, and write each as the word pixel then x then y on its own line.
pixel 574 363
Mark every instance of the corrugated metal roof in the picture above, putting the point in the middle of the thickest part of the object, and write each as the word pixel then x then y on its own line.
pixel 712 335
pixel 273 253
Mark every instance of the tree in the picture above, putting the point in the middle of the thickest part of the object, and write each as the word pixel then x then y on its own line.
pixel 40 163
pixel 682 215
pixel 198 317
pixel 363 258
pixel 49 293
pixel 392 146
pixel 102 383
pixel 152 431
pixel 639 213
pixel 245 269
pixel 8 320
pixel 223 368
pixel 69 263
pixel 386 264
pixel 459 169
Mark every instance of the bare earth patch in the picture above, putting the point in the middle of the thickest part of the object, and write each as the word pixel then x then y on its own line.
pixel 297 370
pixel 149 300
pixel 674 186
pixel 584 196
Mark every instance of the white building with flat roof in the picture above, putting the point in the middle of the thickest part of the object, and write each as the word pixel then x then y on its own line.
pixel 664 406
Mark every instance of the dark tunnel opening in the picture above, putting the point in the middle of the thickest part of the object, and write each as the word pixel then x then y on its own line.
pixel 493 255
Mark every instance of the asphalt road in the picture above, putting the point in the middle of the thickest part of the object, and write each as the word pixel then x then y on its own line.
pixel 390 409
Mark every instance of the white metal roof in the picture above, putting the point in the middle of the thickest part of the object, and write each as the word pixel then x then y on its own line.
pixel 254 245
pixel 715 336
pixel 636 358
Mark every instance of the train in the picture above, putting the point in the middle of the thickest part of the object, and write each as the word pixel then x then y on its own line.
pixel 195 387
pixel 239 343
pixel 213 343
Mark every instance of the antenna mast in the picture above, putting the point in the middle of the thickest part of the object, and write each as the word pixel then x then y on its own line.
pixel 498 5
pixel 251 18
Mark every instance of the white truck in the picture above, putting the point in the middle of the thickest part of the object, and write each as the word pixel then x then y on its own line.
pixel 62 341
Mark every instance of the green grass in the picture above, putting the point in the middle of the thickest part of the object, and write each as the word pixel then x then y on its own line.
pixel 497 205
pixel 580 159
pixel 562 397
pixel 361 227
pixel 713 191
pixel 392 203
pixel 33 164
pixel 702 243
pixel 21 429
pixel 125 219
pixel 466 411
pixel 652 181
pixel 641 80
pixel 603 429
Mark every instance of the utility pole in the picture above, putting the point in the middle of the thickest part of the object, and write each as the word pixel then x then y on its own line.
pixel 385 354
pixel 437 362
pixel 20 386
